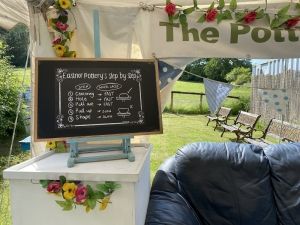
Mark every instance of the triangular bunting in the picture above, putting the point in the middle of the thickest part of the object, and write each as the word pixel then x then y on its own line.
pixel 216 92
pixel 167 73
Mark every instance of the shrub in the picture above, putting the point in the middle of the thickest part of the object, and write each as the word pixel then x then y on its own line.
pixel 242 104
pixel 243 79
pixel 9 94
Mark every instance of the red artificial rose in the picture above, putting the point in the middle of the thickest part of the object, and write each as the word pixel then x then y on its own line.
pixel 170 9
pixel 54 187
pixel 56 41
pixel 250 17
pixel 292 22
pixel 81 194
pixel 61 26
pixel 211 15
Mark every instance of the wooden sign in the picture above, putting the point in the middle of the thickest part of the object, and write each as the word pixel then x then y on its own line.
pixel 85 97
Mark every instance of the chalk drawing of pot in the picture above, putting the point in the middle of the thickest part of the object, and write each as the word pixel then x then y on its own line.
pixel 123 97
pixel 123 112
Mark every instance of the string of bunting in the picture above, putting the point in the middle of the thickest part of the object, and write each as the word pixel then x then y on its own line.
pixel 196 75
pixel 199 76
pixel 216 92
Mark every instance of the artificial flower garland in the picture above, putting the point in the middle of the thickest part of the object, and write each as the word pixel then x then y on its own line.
pixel 63 33
pixel 281 20
pixel 75 193
pixel 60 43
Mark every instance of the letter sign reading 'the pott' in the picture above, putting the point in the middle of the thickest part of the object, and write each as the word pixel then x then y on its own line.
pixel 80 97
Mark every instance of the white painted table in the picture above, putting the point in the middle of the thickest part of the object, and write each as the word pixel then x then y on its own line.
pixel 32 205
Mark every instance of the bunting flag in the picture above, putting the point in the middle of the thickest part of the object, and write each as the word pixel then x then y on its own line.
pixel 167 73
pixel 216 92
pixel 275 98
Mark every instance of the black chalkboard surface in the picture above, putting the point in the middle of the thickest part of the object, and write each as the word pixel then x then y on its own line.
pixel 78 98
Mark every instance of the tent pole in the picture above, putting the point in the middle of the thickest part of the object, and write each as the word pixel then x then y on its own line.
pixel 96 33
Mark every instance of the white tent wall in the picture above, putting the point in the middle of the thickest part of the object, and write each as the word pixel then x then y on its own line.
pixel 120 37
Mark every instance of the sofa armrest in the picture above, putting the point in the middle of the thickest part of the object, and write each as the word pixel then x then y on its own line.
pixel 167 208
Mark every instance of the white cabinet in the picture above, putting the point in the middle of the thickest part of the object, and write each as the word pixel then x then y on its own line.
pixel 32 205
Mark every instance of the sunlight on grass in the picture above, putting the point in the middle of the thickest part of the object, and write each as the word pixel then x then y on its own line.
pixel 20 72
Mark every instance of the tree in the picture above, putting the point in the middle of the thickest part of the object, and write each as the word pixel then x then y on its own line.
pixel 196 67
pixel 2 32
pixel 9 92
pixel 17 39
pixel 217 68
pixel 213 68
pixel 239 75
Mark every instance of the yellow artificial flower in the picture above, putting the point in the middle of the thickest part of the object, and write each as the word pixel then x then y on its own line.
pixel 87 209
pixel 73 54
pixel 104 202
pixel 69 190
pixel 65 4
pixel 51 145
pixel 59 50
pixel 72 34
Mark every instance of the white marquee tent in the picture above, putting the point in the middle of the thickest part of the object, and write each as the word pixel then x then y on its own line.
pixel 132 29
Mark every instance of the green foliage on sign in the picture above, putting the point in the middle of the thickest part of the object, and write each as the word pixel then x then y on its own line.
pixel 233 5
pixel 221 4
pixel 244 15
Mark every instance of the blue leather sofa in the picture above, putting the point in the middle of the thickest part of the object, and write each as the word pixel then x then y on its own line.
pixel 228 184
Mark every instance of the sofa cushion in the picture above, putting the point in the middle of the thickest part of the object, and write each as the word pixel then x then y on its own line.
pixel 226 183
pixel 284 161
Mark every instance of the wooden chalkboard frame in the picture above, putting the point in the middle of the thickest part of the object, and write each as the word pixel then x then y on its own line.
pixel 36 94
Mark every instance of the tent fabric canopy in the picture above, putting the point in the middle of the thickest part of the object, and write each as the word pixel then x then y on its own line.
pixel 13 12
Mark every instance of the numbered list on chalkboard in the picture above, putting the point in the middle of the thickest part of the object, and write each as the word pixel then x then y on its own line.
pixel 94 98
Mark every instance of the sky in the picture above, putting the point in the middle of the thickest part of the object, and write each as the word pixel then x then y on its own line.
pixel 258 61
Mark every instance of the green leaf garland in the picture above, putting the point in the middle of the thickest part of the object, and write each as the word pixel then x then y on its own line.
pixel 233 5
pixel 278 21
pixel 221 4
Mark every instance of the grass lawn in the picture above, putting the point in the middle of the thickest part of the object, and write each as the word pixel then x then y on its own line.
pixel 20 72
pixel 180 130
pixel 5 218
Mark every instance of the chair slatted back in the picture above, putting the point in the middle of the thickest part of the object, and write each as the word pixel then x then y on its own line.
pixel 247 119
pixel 224 112
pixel 283 130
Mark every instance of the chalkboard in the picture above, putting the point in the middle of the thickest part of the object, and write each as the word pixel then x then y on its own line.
pixel 78 98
